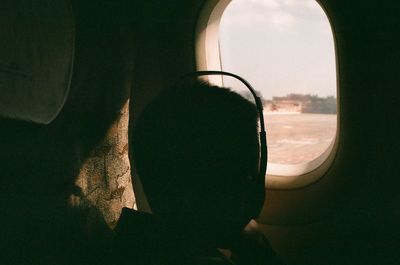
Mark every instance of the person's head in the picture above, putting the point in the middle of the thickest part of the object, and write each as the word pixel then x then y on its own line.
pixel 194 148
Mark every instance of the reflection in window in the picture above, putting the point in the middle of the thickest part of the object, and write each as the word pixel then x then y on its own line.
pixel 285 49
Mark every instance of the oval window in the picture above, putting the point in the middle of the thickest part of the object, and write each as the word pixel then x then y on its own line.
pixel 285 49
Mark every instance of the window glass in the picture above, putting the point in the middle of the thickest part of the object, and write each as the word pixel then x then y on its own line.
pixel 285 49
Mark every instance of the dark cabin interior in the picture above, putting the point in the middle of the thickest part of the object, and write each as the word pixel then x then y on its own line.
pixel 63 184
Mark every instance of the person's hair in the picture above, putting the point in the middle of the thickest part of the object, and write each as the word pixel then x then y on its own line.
pixel 194 147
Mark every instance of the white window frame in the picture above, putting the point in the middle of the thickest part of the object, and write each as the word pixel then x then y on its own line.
pixel 208 58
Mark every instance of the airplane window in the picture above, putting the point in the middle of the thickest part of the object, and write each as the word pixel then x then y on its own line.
pixel 285 49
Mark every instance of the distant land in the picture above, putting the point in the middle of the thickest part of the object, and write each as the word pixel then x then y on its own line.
pixel 299 103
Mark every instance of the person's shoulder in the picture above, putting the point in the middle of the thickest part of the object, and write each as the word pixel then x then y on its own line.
pixel 253 248
pixel 131 221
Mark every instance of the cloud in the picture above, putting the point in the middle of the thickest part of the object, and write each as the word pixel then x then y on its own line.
pixel 279 12
pixel 249 13
pixel 267 3
pixel 289 41
pixel 282 20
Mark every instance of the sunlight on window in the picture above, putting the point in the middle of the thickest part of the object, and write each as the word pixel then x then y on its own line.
pixel 285 49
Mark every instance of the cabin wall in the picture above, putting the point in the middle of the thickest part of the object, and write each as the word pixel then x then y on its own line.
pixel 358 216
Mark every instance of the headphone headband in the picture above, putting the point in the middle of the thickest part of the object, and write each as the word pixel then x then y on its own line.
pixel 263 137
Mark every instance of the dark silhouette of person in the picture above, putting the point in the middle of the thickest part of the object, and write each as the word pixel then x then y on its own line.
pixel 194 147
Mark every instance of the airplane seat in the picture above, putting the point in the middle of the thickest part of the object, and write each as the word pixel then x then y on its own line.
pixel 36 58
pixel 47 145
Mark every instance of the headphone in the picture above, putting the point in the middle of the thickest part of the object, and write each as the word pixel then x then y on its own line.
pixel 257 183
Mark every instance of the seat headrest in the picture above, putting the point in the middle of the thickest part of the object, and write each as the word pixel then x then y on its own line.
pixel 36 58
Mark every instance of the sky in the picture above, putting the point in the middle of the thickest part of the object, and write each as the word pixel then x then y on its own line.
pixel 279 46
